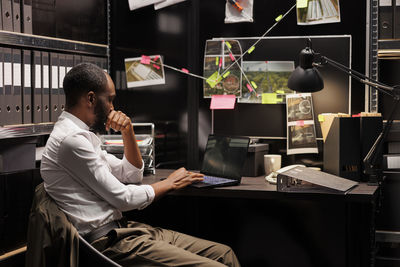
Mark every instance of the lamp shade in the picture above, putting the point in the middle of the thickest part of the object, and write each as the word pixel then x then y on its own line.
pixel 306 78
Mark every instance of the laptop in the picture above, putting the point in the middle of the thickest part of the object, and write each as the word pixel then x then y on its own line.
pixel 223 161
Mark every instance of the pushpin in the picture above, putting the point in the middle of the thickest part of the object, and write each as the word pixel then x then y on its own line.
pixel 236 5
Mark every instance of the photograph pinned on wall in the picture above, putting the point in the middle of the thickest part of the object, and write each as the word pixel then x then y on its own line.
pixel 318 12
pixel 139 73
pixel 301 137
pixel 136 4
pixel 266 77
pixel 239 11
pixel 166 3
pixel 219 55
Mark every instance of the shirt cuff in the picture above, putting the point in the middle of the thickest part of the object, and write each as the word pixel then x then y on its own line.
pixel 150 195
pixel 130 166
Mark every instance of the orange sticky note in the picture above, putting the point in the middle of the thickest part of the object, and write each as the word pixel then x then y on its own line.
pixel 223 102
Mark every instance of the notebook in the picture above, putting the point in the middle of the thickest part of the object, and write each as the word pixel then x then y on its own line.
pixel 223 161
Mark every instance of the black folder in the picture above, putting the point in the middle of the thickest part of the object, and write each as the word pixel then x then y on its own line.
pixel 17 15
pixel 2 96
pixel 45 87
pixel 16 113
pixel 77 59
pixel 61 74
pixel 54 62
pixel 27 87
pixel 8 84
pixel 37 85
pixel 7 17
pixel 27 16
pixel 385 19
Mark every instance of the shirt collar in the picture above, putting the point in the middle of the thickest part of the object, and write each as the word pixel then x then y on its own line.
pixel 75 120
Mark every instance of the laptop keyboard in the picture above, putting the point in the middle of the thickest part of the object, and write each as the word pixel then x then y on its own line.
pixel 215 180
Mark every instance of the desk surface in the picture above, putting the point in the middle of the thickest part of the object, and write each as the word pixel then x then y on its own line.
pixel 259 188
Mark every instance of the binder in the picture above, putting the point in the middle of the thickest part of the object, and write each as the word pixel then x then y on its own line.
pixel 54 62
pixel 61 75
pixel 37 85
pixel 45 87
pixel 385 19
pixel 69 62
pixel 104 64
pixel 7 17
pixel 77 59
pixel 7 85
pixel 27 87
pixel 2 96
pixel 16 15
pixel 27 16
pixel 16 113
pixel 396 19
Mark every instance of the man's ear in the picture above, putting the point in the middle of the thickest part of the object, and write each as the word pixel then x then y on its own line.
pixel 91 97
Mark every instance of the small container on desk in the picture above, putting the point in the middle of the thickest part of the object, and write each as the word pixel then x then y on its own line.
pixel 113 144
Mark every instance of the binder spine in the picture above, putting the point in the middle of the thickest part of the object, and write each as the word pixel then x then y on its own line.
pixel 54 62
pixel 17 87
pixel 45 87
pixel 27 16
pixel 16 5
pixel 27 87
pixel 37 87
pixel 61 75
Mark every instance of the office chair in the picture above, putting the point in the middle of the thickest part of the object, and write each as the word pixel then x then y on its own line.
pixel 53 240
pixel 89 256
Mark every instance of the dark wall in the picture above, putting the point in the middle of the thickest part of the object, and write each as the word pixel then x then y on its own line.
pixel 179 33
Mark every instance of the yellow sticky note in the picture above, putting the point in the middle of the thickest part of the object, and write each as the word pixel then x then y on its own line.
pixel 254 85
pixel 226 74
pixel 302 3
pixel 228 45
pixel 278 18
pixel 251 49
pixel 214 79
pixel 321 118
pixel 269 98
pixel 280 91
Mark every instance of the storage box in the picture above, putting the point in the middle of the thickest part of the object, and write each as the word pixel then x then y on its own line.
pixel 17 154
pixel 254 164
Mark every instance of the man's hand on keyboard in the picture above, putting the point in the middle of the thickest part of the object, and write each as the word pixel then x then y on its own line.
pixel 182 178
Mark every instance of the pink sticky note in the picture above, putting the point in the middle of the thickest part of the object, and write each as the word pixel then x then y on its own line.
pixel 249 87
pixel 232 57
pixel 223 102
pixel 155 66
pixel 184 70
pixel 299 123
pixel 145 60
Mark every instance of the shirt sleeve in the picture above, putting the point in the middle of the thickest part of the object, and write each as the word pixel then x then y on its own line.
pixel 123 170
pixel 89 169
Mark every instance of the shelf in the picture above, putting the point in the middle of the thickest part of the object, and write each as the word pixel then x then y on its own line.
pixel 51 43
pixel 25 130
pixel 389 49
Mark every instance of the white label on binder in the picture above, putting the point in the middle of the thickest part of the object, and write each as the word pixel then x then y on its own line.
pixel 38 77
pixel 68 69
pixel 7 73
pixel 27 75
pixel 62 75
pixel 54 77
pixel 17 74
pixel 385 2
pixel 393 162
pixel 1 76
pixel 45 76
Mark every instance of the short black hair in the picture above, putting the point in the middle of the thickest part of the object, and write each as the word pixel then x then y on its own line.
pixel 81 79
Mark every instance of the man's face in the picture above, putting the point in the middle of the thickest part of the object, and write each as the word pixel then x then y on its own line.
pixel 103 107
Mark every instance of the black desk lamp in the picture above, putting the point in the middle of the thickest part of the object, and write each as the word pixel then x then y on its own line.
pixel 306 78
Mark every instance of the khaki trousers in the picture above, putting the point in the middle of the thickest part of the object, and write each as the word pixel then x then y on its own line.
pixel 143 245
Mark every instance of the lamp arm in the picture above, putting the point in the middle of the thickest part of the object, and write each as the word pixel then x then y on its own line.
pixel 389 90
pixel 371 160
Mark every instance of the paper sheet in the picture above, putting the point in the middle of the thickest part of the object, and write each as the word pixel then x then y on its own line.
pixel 166 3
pixel 144 74
pixel 135 4
pixel 301 137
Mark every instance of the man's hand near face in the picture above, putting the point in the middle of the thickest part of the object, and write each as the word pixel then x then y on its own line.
pixel 118 121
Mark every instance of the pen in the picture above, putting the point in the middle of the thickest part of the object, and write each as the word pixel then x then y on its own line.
pixel 236 5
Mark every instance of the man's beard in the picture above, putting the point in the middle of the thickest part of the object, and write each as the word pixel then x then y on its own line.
pixel 101 113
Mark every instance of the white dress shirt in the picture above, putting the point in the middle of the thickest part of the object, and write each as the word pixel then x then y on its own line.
pixel 87 183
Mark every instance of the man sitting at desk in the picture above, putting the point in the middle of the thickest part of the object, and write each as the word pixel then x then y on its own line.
pixel 91 187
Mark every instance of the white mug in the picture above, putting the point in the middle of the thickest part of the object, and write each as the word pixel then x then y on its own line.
pixel 272 163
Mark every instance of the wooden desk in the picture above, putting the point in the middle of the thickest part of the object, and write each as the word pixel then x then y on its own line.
pixel 270 228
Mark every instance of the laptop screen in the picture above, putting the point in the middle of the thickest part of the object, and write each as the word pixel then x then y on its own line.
pixel 225 156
